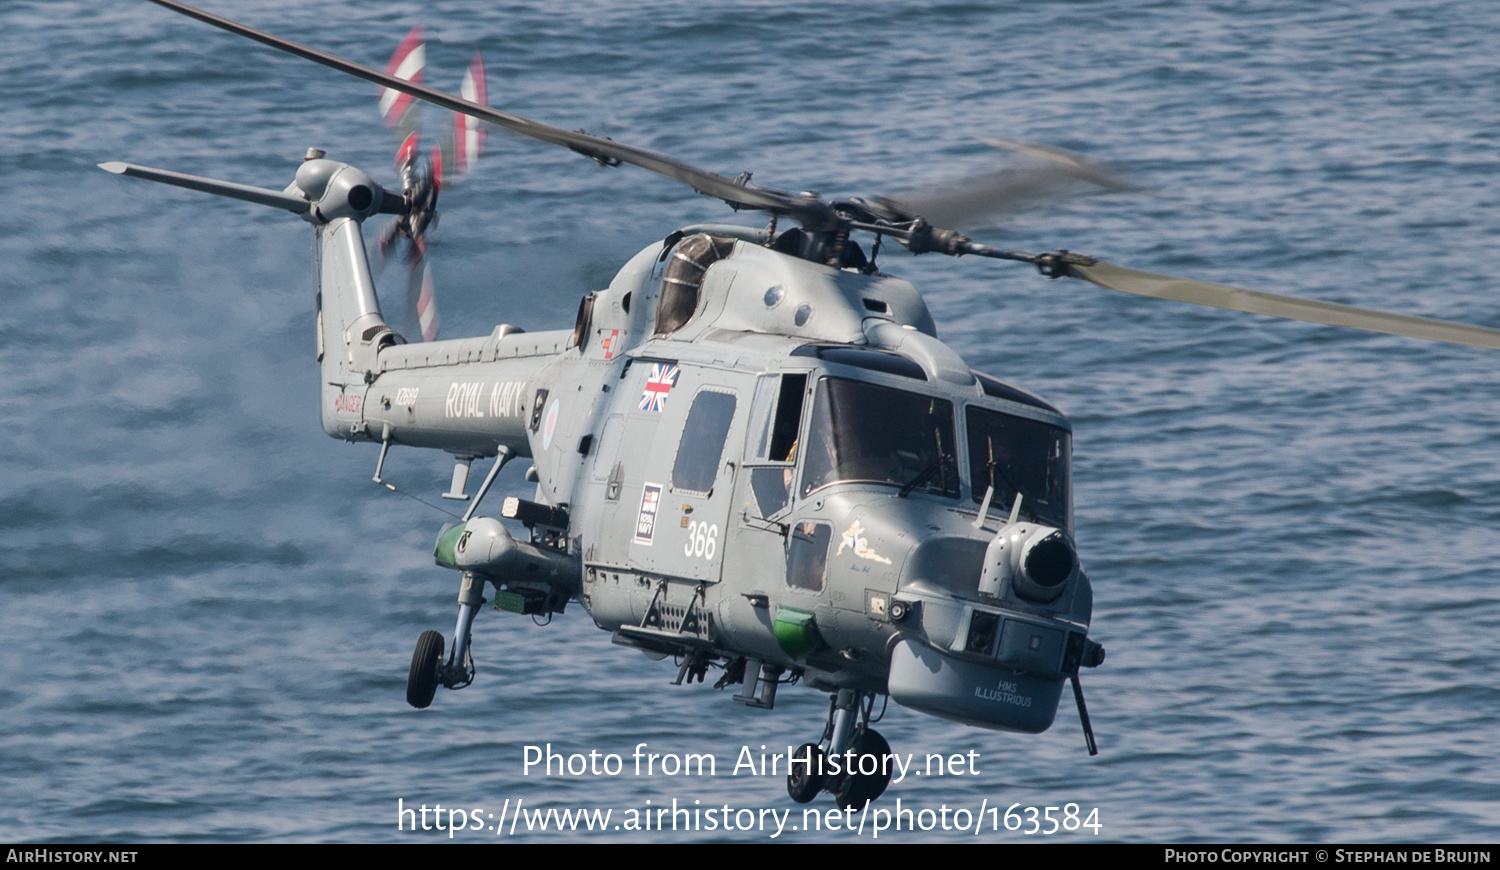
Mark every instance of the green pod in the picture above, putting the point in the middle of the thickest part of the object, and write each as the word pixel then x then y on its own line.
pixel 447 544
pixel 797 632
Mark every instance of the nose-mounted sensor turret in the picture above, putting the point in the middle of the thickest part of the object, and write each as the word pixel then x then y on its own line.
pixel 1031 560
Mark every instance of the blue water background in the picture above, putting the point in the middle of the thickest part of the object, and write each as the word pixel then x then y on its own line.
pixel 207 609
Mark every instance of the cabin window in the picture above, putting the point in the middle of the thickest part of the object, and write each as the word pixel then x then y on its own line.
pixel 703 437
pixel 684 278
pixel 807 555
pixel 1014 454
pixel 867 432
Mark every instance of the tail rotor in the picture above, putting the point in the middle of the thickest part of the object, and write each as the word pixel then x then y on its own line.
pixel 423 177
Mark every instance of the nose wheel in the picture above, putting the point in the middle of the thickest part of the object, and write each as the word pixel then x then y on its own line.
pixel 806 777
pixel 856 765
pixel 869 774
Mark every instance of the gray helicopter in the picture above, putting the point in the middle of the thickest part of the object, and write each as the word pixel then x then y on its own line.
pixel 751 452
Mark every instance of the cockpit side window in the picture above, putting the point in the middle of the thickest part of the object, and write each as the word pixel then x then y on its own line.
pixel 771 450
pixel 862 431
pixel 776 414
pixel 783 442
pixel 1014 454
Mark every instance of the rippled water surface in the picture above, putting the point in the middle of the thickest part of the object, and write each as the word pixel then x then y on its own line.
pixel 208 609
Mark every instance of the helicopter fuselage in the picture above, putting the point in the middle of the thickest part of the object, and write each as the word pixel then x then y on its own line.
pixel 743 456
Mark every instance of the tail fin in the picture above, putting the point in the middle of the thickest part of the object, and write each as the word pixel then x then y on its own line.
pixel 351 328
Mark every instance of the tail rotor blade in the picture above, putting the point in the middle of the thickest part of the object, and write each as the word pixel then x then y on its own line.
pixel 427 313
pixel 398 109
pixel 421 296
pixel 441 161
pixel 406 154
pixel 468 133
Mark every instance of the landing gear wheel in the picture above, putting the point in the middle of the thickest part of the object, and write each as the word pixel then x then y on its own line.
pixel 855 789
pixel 422 680
pixel 806 780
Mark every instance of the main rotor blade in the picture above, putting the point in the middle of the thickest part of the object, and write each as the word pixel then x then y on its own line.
pixel 1079 166
pixel 806 209
pixel 968 200
pixel 1119 278
pixel 259 195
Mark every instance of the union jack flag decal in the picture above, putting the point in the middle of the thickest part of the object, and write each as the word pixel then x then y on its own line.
pixel 658 385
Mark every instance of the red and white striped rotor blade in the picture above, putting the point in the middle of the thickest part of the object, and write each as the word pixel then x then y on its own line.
pixel 407 153
pixel 427 313
pixel 439 170
pixel 469 132
pixel 407 63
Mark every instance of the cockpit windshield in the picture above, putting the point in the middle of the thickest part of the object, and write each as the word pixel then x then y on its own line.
pixel 868 432
pixel 1014 454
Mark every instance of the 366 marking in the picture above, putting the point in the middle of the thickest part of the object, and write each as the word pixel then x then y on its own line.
pixel 703 540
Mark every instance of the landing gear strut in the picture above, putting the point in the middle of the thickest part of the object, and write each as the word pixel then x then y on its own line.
pixel 428 670
pixel 459 670
pixel 855 766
